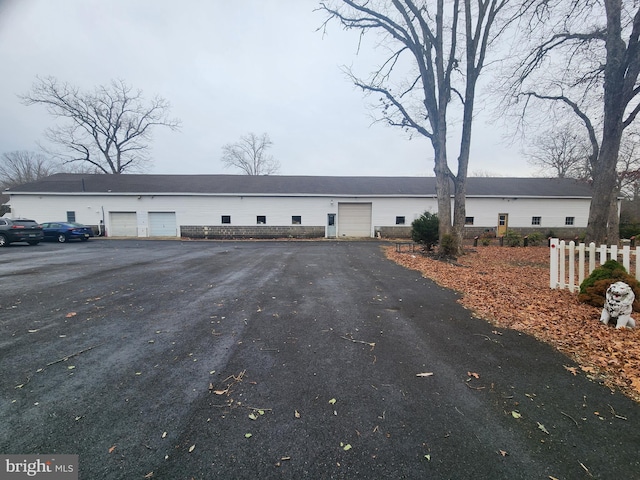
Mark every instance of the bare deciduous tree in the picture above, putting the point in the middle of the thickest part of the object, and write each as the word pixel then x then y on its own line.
pixel 249 154
pixel 560 152
pixel 108 128
pixel 23 166
pixel 586 60
pixel 437 51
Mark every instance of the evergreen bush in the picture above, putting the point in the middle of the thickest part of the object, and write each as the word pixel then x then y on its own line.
pixel 593 289
pixel 449 245
pixel 512 239
pixel 535 239
pixel 425 229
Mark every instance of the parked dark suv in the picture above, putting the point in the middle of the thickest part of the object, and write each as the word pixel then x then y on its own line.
pixel 19 230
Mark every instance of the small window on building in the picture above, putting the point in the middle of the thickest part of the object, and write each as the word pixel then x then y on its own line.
pixel 226 218
pixel 261 220
pixel 468 220
pixel 536 220
pixel 400 220
pixel 71 216
pixel 296 220
pixel 569 220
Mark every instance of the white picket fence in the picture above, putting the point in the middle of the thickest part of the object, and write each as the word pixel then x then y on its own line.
pixel 566 272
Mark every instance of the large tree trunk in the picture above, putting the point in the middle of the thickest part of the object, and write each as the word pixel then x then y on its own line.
pixel 604 193
pixel 443 193
pixel 613 227
pixel 604 170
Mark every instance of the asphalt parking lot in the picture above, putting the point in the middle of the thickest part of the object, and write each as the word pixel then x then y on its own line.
pixel 180 360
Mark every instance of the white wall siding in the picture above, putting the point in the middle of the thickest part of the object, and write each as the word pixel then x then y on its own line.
pixel 204 210
pixel 553 212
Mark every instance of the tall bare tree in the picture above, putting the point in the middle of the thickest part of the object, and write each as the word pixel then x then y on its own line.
pixel 249 154
pixel 20 167
pixel 560 152
pixel 23 166
pixel 108 128
pixel 437 50
pixel 586 59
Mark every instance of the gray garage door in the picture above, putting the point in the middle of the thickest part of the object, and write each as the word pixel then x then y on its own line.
pixel 354 219
pixel 123 224
pixel 162 224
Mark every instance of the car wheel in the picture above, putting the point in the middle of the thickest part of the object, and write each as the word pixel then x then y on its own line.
pixel 3 241
pixel 62 238
pixel 34 242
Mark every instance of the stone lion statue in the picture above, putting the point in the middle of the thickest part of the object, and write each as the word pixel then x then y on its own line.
pixel 618 305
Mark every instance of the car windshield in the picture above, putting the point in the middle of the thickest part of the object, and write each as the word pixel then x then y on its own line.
pixel 25 222
pixel 74 224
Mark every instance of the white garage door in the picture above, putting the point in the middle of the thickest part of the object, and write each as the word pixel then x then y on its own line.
pixel 123 224
pixel 354 220
pixel 162 224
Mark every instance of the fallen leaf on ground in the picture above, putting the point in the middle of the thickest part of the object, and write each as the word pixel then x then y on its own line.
pixel 192 448
pixel 473 374
pixel 332 401
pixel 71 314
pixel 515 414
pixel 112 449
pixel 296 414
pixel 542 427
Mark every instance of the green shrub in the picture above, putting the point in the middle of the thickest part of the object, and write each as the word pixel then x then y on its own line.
pixel 535 239
pixel 425 229
pixel 486 237
pixel 449 245
pixel 628 230
pixel 512 239
pixel 594 288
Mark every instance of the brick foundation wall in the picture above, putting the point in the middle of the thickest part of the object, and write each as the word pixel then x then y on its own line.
pixel 229 232
pixel 394 231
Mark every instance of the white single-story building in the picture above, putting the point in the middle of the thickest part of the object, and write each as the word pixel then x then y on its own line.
pixel 243 206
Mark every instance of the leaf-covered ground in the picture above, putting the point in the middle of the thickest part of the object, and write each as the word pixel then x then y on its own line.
pixel 510 288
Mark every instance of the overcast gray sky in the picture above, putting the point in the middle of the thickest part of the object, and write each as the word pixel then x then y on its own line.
pixel 227 68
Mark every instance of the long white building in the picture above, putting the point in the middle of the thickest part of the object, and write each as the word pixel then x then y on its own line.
pixel 242 206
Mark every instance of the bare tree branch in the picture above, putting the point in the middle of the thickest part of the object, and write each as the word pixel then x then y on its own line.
pixel 249 154
pixel 108 128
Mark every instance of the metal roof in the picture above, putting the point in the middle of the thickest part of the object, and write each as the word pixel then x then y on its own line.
pixel 297 185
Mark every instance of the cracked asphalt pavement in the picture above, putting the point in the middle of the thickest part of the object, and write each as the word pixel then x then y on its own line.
pixel 202 360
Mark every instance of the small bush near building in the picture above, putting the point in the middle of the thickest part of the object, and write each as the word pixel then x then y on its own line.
pixel 628 230
pixel 535 239
pixel 593 289
pixel 512 239
pixel 449 245
pixel 486 237
pixel 425 230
